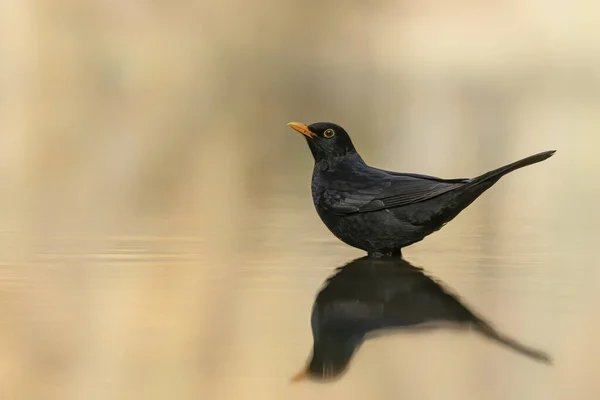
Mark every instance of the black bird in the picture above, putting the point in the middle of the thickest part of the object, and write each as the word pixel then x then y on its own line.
pixel 373 294
pixel 383 211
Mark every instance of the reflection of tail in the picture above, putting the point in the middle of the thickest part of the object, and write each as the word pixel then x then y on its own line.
pixel 500 172
pixel 493 334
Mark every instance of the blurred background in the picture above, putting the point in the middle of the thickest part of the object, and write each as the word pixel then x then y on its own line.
pixel 157 234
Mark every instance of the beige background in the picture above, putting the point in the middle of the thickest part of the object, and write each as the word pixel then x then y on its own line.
pixel 157 238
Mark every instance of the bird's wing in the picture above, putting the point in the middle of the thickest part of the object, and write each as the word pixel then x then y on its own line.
pixel 368 190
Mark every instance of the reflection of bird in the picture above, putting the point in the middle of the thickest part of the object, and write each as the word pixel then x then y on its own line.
pixel 382 211
pixel 371 294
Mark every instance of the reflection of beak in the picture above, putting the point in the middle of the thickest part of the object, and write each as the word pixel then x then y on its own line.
pixel 300 376
pixel 303 129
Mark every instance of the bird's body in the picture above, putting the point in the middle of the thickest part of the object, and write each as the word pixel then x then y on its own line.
pixel 383 211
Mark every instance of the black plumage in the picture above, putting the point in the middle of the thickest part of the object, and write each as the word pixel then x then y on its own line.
pixel 377 294
pixel 382 211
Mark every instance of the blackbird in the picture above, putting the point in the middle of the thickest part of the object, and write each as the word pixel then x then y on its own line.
pixel 373 295
pixel 382 211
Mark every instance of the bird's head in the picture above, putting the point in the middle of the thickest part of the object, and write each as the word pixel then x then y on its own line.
pixel 326 140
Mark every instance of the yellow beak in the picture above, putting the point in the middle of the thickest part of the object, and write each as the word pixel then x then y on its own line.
pixel 303 129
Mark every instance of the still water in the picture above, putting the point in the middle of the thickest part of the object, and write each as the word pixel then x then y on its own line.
pixel 171 312
pixel 157 235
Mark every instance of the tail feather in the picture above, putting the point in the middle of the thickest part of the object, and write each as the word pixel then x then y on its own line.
pixel 500 172
pixel 511 343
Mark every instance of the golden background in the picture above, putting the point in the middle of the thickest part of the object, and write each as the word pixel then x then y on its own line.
pixel 157 237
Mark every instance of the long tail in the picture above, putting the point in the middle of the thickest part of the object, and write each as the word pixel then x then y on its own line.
pixel 500 172
pixel 491 333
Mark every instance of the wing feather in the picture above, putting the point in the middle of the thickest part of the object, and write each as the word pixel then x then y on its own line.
pixel 372 189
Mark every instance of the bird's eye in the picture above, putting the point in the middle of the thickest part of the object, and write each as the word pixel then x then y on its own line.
pixel 329 133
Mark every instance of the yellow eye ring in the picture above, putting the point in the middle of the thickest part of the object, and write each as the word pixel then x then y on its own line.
pixel 329 133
